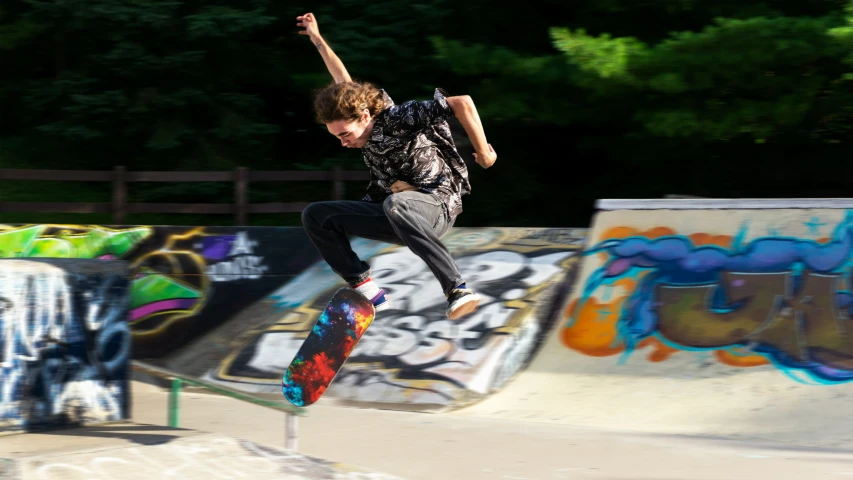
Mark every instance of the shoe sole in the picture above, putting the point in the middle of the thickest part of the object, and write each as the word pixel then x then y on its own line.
pixel 464 309
pixel 382 306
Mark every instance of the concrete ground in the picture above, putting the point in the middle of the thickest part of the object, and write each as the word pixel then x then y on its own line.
pixel 421 446
pixel 131 451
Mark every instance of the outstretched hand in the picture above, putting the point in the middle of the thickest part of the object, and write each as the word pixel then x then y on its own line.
pixel 488 159
pixel 309 23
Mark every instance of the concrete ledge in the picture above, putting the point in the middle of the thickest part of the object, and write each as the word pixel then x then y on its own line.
pixel 721 203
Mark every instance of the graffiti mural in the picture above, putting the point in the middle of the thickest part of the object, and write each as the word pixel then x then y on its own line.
pixel 412 353
pixel 176 272
pixel 775 300
pixel 235 303
pixel 64 343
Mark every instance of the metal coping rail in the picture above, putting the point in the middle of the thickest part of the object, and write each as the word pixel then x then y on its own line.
pixel 291 412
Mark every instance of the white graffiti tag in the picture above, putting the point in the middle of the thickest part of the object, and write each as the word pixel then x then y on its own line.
pixel 414 341
pixel 412 353
pixel 56 360
pixel 242 262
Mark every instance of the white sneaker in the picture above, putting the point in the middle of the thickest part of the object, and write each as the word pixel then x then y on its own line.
pixel 375 294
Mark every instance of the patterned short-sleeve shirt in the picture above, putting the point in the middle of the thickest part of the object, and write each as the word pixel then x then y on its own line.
pixel 412 142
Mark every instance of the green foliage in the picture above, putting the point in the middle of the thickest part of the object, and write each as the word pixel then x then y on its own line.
pixel 623 88
pixel 508 85
pixel 384 41
pixel 759 77
pixel 159 85
pixel 14 32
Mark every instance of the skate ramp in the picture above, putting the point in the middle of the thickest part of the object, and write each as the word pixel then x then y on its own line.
pixel 233 304
pixel 412 357
pixel 702 317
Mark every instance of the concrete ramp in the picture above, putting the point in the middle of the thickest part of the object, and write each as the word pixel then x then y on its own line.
pixel 233 304
pixel 133 451
pixel 703 317
pixel 412 357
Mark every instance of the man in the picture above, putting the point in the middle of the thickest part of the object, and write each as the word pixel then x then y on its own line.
pixel 417 178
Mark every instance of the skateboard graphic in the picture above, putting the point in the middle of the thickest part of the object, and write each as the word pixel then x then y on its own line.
pixel 336 332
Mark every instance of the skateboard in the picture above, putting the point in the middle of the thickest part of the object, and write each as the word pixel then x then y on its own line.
pixel 336 332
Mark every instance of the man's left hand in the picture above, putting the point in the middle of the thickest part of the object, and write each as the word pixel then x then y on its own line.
pixel 401 186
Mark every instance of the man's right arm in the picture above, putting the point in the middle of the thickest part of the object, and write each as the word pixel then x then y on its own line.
pixel 333 63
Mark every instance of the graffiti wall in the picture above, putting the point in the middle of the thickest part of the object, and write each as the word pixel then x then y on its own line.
pixel 412 353
pixel 185 280
pixel 64 342
pixel 751 288
pixel 234 304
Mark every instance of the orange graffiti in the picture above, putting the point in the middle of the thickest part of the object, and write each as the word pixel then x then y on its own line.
pixel 734 360
pixel 700 239
pixel 626 283
pixel 623 232
pixel 617 232
pixel 594 329
pixel 594 332
pixel 661 350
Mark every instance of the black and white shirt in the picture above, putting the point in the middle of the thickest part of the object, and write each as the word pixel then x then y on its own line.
pixel 412 142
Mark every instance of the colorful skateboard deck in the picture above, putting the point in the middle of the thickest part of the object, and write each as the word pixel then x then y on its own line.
pixel 321 356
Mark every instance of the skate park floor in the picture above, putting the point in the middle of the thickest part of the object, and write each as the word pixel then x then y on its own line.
pixel 233 439
pixel 424 446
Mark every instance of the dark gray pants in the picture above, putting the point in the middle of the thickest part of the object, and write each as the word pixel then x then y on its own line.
pixel 413 219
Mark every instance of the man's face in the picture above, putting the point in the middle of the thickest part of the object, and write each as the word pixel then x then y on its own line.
pixel 352 134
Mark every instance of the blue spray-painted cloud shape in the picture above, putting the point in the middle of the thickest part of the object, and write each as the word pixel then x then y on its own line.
pixel 675 260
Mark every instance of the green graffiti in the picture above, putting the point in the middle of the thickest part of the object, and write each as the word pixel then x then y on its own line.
pixel 152 287
pixel 48 241
pixel 152 292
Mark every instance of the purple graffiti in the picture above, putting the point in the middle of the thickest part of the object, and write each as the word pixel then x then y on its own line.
pixel 161 306
pixel 216 247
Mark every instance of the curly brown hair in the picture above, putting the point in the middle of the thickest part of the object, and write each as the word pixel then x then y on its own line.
pixel 346 101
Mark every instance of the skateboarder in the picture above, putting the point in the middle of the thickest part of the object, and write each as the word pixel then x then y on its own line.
pixel 417 177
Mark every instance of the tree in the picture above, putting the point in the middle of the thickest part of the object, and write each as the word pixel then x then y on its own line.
pixel 761 77
pixel 160 85
pixel 673 96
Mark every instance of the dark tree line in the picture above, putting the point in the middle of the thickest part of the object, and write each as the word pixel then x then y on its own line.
pixel 581 100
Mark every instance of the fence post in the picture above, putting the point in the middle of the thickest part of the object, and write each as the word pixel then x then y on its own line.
pixel 119 195
pixel 241 184
pixel 337 183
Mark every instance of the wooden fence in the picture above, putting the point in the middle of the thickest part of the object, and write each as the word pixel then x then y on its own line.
pixel 120 177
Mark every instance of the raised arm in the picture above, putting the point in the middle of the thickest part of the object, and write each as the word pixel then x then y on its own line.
pixel 464 109
pixel 333 63
pixel 414 115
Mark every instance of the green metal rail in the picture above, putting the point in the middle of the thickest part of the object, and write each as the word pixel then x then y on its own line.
pixel 291 412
